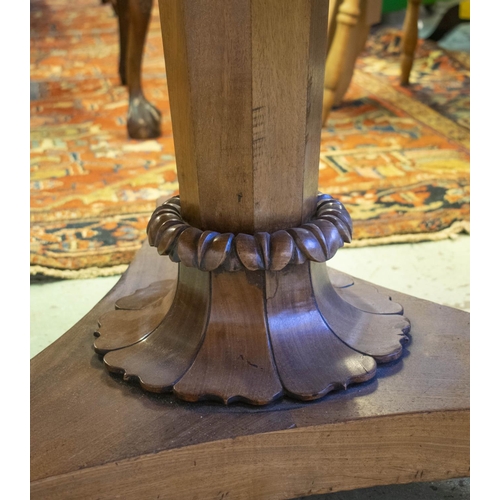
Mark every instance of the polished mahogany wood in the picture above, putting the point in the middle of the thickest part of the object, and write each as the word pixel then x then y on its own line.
pixel 164 356
pixel 259 335
pixel 310 360
pixel 235 362
pixel 95 436
pixel 317 240
pixel 378 334
pixel 125 327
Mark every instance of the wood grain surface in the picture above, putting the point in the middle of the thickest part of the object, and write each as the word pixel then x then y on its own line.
pixel 310 360
pixel 128 325
pixel 160 360
pixel 378 333
pixel 251 335
pixel 234 362
pixel 245 80
pixel 95 436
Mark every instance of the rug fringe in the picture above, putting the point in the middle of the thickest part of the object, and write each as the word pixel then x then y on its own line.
pixel 451 232
pixel 78 274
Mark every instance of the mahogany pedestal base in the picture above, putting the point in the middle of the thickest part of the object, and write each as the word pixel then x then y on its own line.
pixel 95 436
pixel 251 317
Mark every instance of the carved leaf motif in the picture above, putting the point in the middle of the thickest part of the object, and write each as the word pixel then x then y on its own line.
pixel 304 331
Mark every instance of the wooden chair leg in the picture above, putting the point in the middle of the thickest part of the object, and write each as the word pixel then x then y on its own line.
pixel 342 54
pixel 123 26
pixel 410 38
pixel 371 13
pixel 144 119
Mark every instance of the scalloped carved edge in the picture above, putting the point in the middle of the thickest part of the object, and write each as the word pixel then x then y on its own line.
pixel 317 240
pixel 276 347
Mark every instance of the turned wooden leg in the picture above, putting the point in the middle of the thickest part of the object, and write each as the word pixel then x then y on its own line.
pixel 349 35
pixel 143 119
pixel 409 41
pixel 254 313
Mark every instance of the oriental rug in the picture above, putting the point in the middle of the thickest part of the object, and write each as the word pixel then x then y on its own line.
pixel 398 158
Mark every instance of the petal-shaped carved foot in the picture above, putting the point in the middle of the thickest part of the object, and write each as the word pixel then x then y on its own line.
pixel 164 355
pixel 135 317
pixel 252 336
pixel 143 119
pixel 367 321
pixel 235 362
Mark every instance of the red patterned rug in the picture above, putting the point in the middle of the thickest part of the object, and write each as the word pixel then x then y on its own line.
pixel 398 158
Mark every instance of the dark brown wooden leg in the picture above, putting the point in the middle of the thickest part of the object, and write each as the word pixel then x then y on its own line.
pixel 143 119
pixel 121 9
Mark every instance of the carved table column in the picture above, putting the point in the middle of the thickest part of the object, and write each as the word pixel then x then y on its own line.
pixel 254 313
